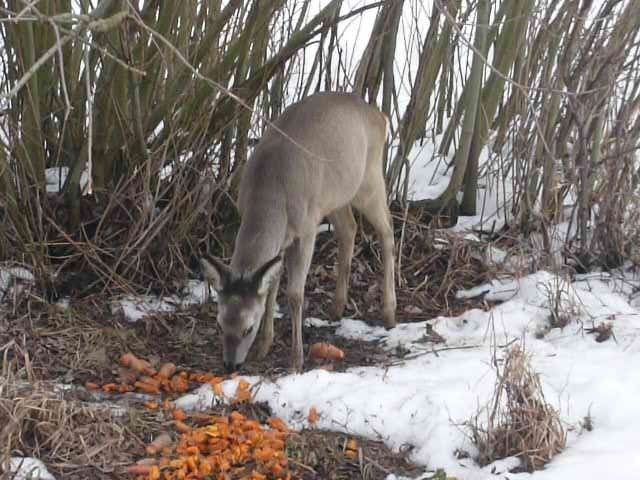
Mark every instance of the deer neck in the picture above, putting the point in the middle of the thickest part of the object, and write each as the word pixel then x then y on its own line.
pixel 260 238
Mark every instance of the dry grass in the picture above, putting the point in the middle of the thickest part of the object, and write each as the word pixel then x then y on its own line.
pixel 519 421
pixel 75 439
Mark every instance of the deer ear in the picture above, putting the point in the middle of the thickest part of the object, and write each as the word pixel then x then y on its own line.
pixel 267 273
pixel 215 272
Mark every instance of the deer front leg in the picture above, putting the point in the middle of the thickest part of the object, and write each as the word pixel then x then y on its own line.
pixel 298 260
pixel 264 339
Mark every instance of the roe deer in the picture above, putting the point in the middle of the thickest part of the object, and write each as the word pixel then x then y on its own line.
pixel 285 192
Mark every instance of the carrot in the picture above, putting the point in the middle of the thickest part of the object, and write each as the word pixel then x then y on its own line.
pixel 217 389
pixel 127 375
pixel 313 416
pixel 139 469
pixel 179 414
pixel 161 441
pixel 150 381
pixel 351 454
pixel 151 405
pixel 325 351
pixel 154 473
pixel 181 427
pixel 277 470
pixel 278 424
pixel 179 384
pixel 167 370
pixel 147 388
pixel 110 387
pixel 351 449
pixel 243 392
pixel 237 417
pixel 142 366
pixel 91 386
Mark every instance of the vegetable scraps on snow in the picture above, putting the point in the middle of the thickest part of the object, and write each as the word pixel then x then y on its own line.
pixel 201 445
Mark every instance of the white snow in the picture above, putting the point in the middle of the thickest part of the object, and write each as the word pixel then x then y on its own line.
pixel 423 399
pixel 14 280
pixel 134 308
pixel 27 468
pixel 56 176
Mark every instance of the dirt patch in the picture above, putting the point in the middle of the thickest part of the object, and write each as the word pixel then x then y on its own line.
pixel 325 455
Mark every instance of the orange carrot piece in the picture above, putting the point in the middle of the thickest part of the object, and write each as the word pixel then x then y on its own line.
pixel 142 366
pixel 325 351
pixel 178 414
pixel 181 427
pixel 167 370
pixel 139 469
pixel 313 416
pixel 161 441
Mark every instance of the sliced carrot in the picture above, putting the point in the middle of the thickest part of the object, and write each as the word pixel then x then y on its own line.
pixel 179 384
pixel 167 370
pixel 243 392
pixel 313 416
pixel 181 427
pixel 352 444
pixel 91 386
pixel 278 424
pixel 139 469
pixel 142 366
pixel 147 388
pixel 154 473
pixel 161 441
pixel 110 387
pixel 151 405
pixel 178 414
pixel 217 389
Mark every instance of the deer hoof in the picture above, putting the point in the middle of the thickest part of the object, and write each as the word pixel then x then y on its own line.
pixel 389 321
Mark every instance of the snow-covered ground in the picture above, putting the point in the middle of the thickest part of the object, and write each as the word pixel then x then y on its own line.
pixel 423 401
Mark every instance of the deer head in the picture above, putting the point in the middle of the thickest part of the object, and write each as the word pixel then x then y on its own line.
pixel 241 305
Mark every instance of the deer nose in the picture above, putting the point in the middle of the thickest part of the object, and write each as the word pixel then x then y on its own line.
pixel 230 367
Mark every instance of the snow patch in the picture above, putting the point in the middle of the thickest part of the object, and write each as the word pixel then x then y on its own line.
pixel 423 399
pixel 28 468
pixel 135 308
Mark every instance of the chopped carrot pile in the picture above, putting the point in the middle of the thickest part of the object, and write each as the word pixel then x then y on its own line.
pixel 206 446
pixel 140 376
pixel 231 446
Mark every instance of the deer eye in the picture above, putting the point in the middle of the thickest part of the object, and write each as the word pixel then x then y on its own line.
pixel 247 331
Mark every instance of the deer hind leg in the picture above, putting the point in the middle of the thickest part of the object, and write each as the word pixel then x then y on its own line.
pixel 298 259
pixel 345 226
pixel 372 203
pixel 264 339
